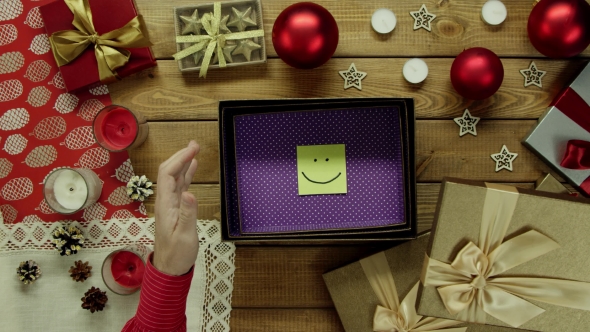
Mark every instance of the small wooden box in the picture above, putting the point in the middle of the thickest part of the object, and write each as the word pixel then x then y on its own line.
pixel 258 56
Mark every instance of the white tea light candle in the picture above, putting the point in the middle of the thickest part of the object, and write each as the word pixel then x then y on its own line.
pixel 415 71
pixel 70 189
pixel 494 12
pixel 383 20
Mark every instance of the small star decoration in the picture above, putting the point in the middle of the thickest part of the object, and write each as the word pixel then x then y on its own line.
pixel 532 75
pixel 352 77
pixel 192 24
pixel 467 123
pixel 241 20
pixel 422 18
pixel 227 49
pixel 245 47
pixel 504 159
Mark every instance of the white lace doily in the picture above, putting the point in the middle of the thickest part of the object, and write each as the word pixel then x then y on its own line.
pixel 209 301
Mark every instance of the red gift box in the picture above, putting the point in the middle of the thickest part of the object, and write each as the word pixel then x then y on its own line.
pixel 107 15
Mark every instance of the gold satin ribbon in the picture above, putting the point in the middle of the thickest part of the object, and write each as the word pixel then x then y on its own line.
pixel 109 48
pixel 392 315
pixel 471 286
pixel 212 40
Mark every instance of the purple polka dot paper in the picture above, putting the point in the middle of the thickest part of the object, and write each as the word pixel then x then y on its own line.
pixel 266 162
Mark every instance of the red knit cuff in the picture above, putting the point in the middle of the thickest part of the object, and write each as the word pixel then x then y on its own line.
pixel 162 303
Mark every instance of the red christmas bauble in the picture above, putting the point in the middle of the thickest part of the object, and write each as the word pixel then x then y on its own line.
pixel 560 28
pixel 305 35
pixel 477 73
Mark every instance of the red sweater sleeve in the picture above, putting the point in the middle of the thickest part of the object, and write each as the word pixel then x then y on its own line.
pixel 162 302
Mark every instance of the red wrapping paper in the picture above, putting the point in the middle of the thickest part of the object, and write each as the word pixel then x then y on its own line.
pixel 42 127
pixel 107 15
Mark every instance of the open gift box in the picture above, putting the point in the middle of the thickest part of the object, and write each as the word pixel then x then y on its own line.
pixel 261 187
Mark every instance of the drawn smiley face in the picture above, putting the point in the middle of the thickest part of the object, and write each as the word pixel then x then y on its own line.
pixel 321 169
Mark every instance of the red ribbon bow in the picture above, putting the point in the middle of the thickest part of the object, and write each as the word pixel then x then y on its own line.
pixel 577 155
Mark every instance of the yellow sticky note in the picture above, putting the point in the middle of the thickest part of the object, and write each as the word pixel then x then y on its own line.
pixel 321 169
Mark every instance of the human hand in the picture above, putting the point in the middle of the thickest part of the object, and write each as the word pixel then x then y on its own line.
pixel 177 241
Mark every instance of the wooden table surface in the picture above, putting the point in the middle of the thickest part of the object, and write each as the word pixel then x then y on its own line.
pixel 280 288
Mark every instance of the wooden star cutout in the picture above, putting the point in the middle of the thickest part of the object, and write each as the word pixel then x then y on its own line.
pixel 192 24
pixel 198 55
pixel 223 25
pixel 227 49
pixel 241 20
pixel 422 18
pixel 532 75
pixel 245 47
pixel 352 77
pixel 504 159
pixel 467 123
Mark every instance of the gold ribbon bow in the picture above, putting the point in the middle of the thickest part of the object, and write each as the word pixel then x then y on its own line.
pixel 109 48
pixel 391 315
pixel 471 286
pixel 213 40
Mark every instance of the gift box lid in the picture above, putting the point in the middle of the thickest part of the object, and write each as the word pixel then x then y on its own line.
pixel 107 15
pixel 557 226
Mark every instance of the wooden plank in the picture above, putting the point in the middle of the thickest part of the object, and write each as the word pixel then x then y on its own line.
pixel 467 156
pixel 285 320
pixel 457 26
pixel 163 93
pixel 289 277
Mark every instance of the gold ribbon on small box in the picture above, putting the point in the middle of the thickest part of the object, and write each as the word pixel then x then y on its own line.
pixel 212 41
pixel 392 315
pixel 109 48
pixel 472 287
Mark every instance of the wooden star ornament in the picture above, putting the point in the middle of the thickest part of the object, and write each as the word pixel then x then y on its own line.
pixel 227 49
pixel 352 77
pixel 246 47
pixel 504 159
pixel 192 24
pixel 422 18
pixel 467 123
pixel 532 75
pixel 241 20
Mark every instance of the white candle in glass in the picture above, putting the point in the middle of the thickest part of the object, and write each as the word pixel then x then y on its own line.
pixel 383 20
pixel 494 12
pixel 70 189
pixel 415 71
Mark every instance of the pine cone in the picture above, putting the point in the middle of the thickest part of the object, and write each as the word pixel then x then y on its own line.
pixel 139 188
pixel 68 241
pixel 94 300
pixel 80 271
pixel 28 272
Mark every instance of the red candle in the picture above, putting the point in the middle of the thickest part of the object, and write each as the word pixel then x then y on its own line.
pixel 117 128
pixel 127 269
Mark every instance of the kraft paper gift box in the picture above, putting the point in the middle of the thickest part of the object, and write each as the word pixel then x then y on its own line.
pixel 356 299
pixel 231 200
pixel 562 136
pixel 107 15
pixel 508 257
